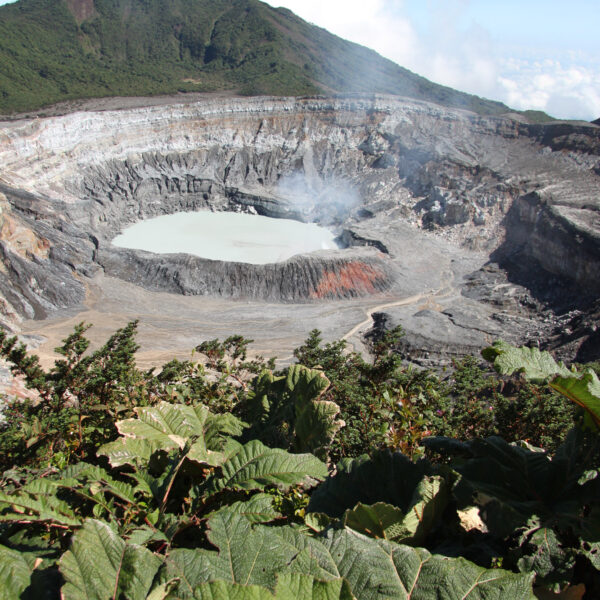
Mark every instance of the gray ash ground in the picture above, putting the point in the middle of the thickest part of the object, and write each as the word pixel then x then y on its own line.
pixel 461 228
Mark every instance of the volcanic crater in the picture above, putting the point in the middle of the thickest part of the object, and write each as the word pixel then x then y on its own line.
pixel 462 228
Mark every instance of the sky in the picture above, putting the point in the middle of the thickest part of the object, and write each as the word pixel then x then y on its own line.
pixel 529 54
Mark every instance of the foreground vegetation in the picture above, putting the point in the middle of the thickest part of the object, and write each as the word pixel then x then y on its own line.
pixel 332 478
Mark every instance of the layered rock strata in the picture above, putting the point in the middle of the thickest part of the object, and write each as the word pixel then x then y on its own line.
pixel 387 174
pixel 325 275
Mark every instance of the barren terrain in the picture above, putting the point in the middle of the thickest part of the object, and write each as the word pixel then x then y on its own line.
pixel 461 228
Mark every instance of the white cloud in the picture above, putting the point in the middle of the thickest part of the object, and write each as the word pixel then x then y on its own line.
pixel 444 54
pixel 462 60
pixel 375 23
pixel 566 85
pixel 559 88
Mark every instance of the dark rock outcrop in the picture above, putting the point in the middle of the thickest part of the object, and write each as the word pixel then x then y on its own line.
pixel 541 235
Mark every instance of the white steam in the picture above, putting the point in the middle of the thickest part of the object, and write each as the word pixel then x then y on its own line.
pixel 317 199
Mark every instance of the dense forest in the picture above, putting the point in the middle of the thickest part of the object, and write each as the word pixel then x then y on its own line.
pixel 336 477
pixel 56 50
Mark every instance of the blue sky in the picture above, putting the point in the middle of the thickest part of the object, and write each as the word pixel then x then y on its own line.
pixel 536 22
pixel 529 54
pixel 539 54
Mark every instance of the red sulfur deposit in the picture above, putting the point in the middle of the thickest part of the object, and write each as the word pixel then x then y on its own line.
pixel 353 279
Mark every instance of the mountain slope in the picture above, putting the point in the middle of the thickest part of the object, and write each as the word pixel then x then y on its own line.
pixel 52 50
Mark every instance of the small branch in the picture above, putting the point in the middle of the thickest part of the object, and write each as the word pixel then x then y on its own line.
pixel 55 525
pixel 168 490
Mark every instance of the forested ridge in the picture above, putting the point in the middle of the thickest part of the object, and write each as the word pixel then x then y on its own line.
pixel 56 50
pixel 336 477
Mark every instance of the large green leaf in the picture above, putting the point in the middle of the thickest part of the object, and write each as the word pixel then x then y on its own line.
pixel 584 391
pixel 373 569
pixel 451 578
pixel 511 483
pixel 258 509
pixel 89 481
pixel 29 555
pixel 167 427
pixel 544 555
pixel 290 586
pixel 592 552
pixel 386 477
pixel 254 466
pixel 15 572
pixel 293 402
pixel 380 520
pixel 247 556
pixel 100 566
pixel 305 382
pixel 384 521
pixel 127 451
pixel 316 423
pixel 582 388
pixel 429 502
pixel 536 365
pixel 224 590
pixel 316 426
pixel 26 507
pixel 590 536
pixel 311 557
pixel 378 569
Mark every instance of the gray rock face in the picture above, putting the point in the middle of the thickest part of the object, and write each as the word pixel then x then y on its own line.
pixel 434 338
pixel 413 190
pixel 318 276
pixel 577 336
pixel 563 240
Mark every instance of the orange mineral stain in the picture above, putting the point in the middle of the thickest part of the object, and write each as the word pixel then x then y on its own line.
pixel 354 276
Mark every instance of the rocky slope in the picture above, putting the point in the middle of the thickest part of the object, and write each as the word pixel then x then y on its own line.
pixel 496 223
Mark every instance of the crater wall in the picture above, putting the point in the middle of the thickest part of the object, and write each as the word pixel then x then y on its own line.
pixel 387 174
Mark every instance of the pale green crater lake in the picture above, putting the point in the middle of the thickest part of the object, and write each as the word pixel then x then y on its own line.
pixel 233 237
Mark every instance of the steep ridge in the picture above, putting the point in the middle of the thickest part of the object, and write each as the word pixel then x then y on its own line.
pixel 53 50
pixel 421 195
